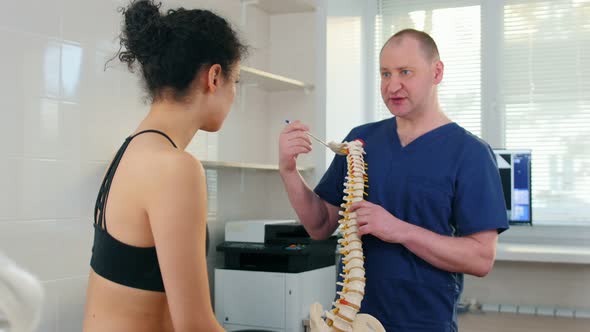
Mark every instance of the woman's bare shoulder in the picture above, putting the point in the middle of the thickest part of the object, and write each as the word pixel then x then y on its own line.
pixel 176 186
pixel 174 164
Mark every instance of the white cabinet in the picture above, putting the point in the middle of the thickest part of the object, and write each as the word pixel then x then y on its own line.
pixel 250 298
pixel 270 300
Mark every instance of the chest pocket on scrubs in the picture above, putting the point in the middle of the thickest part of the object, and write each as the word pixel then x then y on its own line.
pixel 429 201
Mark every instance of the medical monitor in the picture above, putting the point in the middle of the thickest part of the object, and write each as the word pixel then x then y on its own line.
pixel 515 172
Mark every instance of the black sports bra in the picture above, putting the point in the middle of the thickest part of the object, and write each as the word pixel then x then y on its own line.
pixel 114 260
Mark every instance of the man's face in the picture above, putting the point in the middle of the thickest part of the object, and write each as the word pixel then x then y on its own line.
pixel 408 78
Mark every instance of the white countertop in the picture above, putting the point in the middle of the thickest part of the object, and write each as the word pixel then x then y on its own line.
pixel 547 244
pixel 543 253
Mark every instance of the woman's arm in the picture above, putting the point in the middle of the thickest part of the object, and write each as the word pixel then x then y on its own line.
pixel 177 209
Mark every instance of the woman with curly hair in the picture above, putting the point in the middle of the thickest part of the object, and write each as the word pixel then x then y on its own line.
pixel 149 268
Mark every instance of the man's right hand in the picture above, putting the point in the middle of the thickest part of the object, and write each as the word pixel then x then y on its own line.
pixel 293 141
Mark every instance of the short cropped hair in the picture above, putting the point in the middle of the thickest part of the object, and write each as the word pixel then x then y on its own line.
pixel 427 44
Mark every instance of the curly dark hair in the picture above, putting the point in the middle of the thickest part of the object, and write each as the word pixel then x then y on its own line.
pixel 172 48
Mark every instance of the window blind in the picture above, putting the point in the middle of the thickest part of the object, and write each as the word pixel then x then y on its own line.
pixel 546 92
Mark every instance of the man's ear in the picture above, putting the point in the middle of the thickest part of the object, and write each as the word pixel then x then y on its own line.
pixel 439 69
pixel 214 77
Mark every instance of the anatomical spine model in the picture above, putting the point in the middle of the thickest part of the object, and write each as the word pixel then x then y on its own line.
pixel 343 316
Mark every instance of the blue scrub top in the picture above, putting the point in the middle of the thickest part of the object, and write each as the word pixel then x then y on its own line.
pixel 445 181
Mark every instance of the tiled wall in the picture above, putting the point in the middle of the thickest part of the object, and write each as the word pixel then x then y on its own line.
pixel 62 116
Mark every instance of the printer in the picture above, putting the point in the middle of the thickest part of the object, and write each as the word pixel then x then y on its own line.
pixel 274 246
pixel 272 273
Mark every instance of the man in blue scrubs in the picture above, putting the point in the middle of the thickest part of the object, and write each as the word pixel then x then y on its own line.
pixel 435 204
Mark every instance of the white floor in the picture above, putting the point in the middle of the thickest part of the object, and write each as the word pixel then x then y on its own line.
pixel 494 322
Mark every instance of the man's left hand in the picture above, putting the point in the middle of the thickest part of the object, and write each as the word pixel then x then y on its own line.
pixel 375 220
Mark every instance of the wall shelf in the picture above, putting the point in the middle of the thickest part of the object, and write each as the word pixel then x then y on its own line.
pixel 274 7
pixel 252 166
pixel 271 82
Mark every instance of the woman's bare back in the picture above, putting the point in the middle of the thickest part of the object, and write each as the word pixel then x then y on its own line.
pixel 111 306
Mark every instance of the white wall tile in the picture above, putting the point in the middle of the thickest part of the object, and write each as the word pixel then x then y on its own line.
pixel 103 79
pixel 41 132
pixel 49 316
pixel 11 95
pixel 32 64
pixel 71 304
pixel 51 62
pixel 50 250
pixel 11 123
pixel 32 16
pixel 67 191
pixel 70 130
pixel 11 182
pixel 63 308
pixel 72 57
pixel 91 175
pixel 91 21
pixel 50 189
